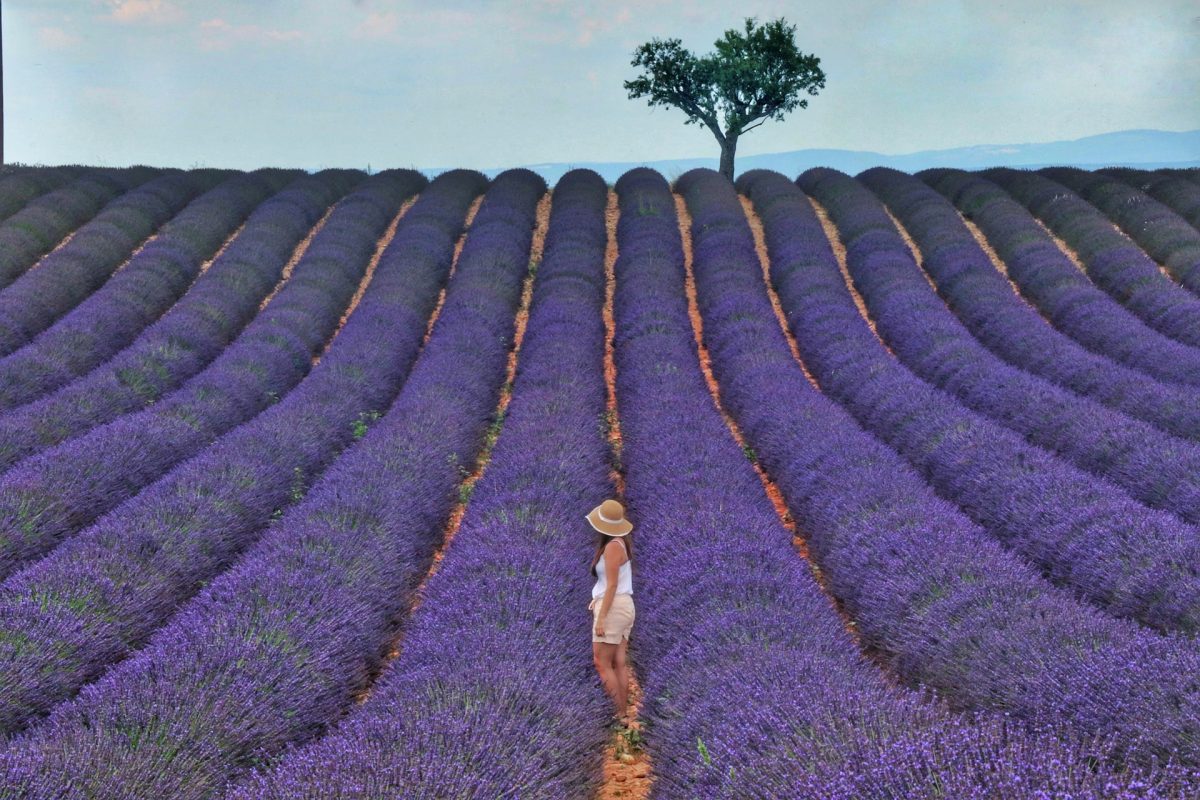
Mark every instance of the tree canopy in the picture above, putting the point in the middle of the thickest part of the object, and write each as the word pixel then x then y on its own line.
pixel 755 74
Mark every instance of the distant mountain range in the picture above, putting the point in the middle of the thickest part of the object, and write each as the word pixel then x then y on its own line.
pixel 1149 149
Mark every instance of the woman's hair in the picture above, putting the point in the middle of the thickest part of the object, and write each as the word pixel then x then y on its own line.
pixel 602 540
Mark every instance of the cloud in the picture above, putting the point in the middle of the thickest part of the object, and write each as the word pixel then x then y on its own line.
pixel 57 38
pixel 377 25
pixel 217 34
pixel 434 27
pixel 115 99
pixel 147 11
pixel 590 26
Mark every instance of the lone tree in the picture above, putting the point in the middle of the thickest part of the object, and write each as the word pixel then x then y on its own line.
pixel 756 74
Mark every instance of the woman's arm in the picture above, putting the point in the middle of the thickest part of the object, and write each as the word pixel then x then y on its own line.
pixel 613 551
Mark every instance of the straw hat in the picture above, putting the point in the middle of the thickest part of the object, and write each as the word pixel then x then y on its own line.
pixel 609 519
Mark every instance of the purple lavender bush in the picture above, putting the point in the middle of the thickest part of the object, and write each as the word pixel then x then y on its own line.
pixel 1113 262
pixel 1164 235
pixel 1154 467
pixel 91 601
pixel 507 704
pixel 46 221
pixel 70 274
pixel 191 334
pixel 19 189
pixel 1011 328
pixel 51 495
pixel 152 280
pixel 1084 532
pixel 1048 279
pixel 937 599
pixel 1176 193
pixel 753 686
pixel 313 605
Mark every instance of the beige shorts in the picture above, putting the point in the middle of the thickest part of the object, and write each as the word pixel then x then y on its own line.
pixel 619 622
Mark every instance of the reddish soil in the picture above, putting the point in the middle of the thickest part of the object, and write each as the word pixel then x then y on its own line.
pixel 912 248
pixel 458 246
pixel 388 234
pixel 997 262
pixel 611 215
pixel 1078 262
pixel 627 770
pixel 221 250
pixel 839 251
pixel 136 252
pixel 1161 267
pixel 297 254
pixel 769 485
pixel 990 252
pixel 66 240
pixel 1066 248
pixel 764 260
pixel 485 454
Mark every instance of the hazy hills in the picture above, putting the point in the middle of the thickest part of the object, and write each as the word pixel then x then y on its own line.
pixel 1149 149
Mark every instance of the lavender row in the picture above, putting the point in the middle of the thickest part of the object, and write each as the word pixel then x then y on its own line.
pixel 1048 279
pixel 19 189
pixel 939 600
pixel 71 273
pixel 753 687
pixel 191 334
pixel 1165 236
pixel 1113 262
pixel 1176 193
pixel 1084 532
pixel 52 494
pixel 509 706
pixel 86 605
pixel 275 649
pixel 147 285
pixel 1154 467
pixel 1011 328
pixel 39 226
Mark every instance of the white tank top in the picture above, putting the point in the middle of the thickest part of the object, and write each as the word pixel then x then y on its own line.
pixel 624 577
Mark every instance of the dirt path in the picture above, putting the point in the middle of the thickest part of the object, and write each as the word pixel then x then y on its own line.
pixel 612 422
pixel 764 261
pixel 297 254
pixel 1073 255
pixel 839 252
pixel 913 249
pixel 388 234
pixel 769 485
pixel 66 240
pixel 1063 246
pixel 137 251
pixel 458 246
pixel 481 461
pixel 627 769
pixel 990 252
pixel 221 250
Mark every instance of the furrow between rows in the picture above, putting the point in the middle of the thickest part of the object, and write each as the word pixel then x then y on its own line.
pixel 50 496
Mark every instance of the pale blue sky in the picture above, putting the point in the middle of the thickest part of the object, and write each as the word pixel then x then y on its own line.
pixel 315 83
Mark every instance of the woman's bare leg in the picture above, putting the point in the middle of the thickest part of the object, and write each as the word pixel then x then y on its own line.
pixel 619 666
pixel 604 656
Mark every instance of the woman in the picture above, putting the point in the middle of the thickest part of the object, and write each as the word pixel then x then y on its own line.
pixel 612 600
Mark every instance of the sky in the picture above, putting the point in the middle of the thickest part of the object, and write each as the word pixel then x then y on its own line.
pixel 386 83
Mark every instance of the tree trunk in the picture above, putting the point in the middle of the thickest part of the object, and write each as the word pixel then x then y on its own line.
pixel 727 149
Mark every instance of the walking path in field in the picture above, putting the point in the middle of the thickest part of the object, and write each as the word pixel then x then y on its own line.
pixel 454 521
pixel 769 486
pixel 627 767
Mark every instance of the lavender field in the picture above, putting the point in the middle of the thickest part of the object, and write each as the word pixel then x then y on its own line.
pixel 294 468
